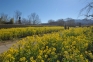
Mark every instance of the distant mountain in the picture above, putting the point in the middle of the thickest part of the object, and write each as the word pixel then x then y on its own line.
pixel 84 21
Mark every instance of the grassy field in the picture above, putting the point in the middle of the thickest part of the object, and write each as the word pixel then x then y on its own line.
pixel 73 45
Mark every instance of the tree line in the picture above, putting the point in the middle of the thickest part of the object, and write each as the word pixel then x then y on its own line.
pixel 70 22
pixel 32 19
pixel 64 22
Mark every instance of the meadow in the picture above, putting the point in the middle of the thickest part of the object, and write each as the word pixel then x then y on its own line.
pixel 51 44
pixel 12 33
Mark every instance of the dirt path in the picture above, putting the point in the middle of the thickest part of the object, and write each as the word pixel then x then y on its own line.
pixel 6 45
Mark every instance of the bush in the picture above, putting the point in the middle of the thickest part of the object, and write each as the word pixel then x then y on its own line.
pixel 12 21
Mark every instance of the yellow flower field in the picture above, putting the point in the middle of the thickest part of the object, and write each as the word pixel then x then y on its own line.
pixel 8 34
pixel 73 45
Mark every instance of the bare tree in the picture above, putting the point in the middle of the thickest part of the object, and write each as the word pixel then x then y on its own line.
pixel 11 21
pixel 18 16
pixel 60 22
pixel 51 22
pixel 38 20
pixel 30 19
pixel 3 18
pixel 88 9
pixel 70 22
pixel 34 19
pixel 25 21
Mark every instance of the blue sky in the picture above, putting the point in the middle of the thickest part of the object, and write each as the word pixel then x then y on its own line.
pixel 46 9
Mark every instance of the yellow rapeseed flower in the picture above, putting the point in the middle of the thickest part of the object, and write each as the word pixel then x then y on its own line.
pixel 65 52
pixel 33 61
pixel 53 53
pixel 58 61
pixel 54 49
pixel 46 56
pixel 31 58
pixel 39 57
pixel 42 60
pixel 9 56
pixel 22 59
pixel 74 42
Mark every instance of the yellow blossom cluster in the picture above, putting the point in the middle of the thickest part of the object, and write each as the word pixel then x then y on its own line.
pixel 73 45
pixel 11 33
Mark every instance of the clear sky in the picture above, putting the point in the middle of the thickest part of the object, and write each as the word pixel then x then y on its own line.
pixel 46 9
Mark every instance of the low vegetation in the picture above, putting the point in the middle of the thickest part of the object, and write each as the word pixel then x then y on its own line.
pixel 11 33
pixel 73 45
